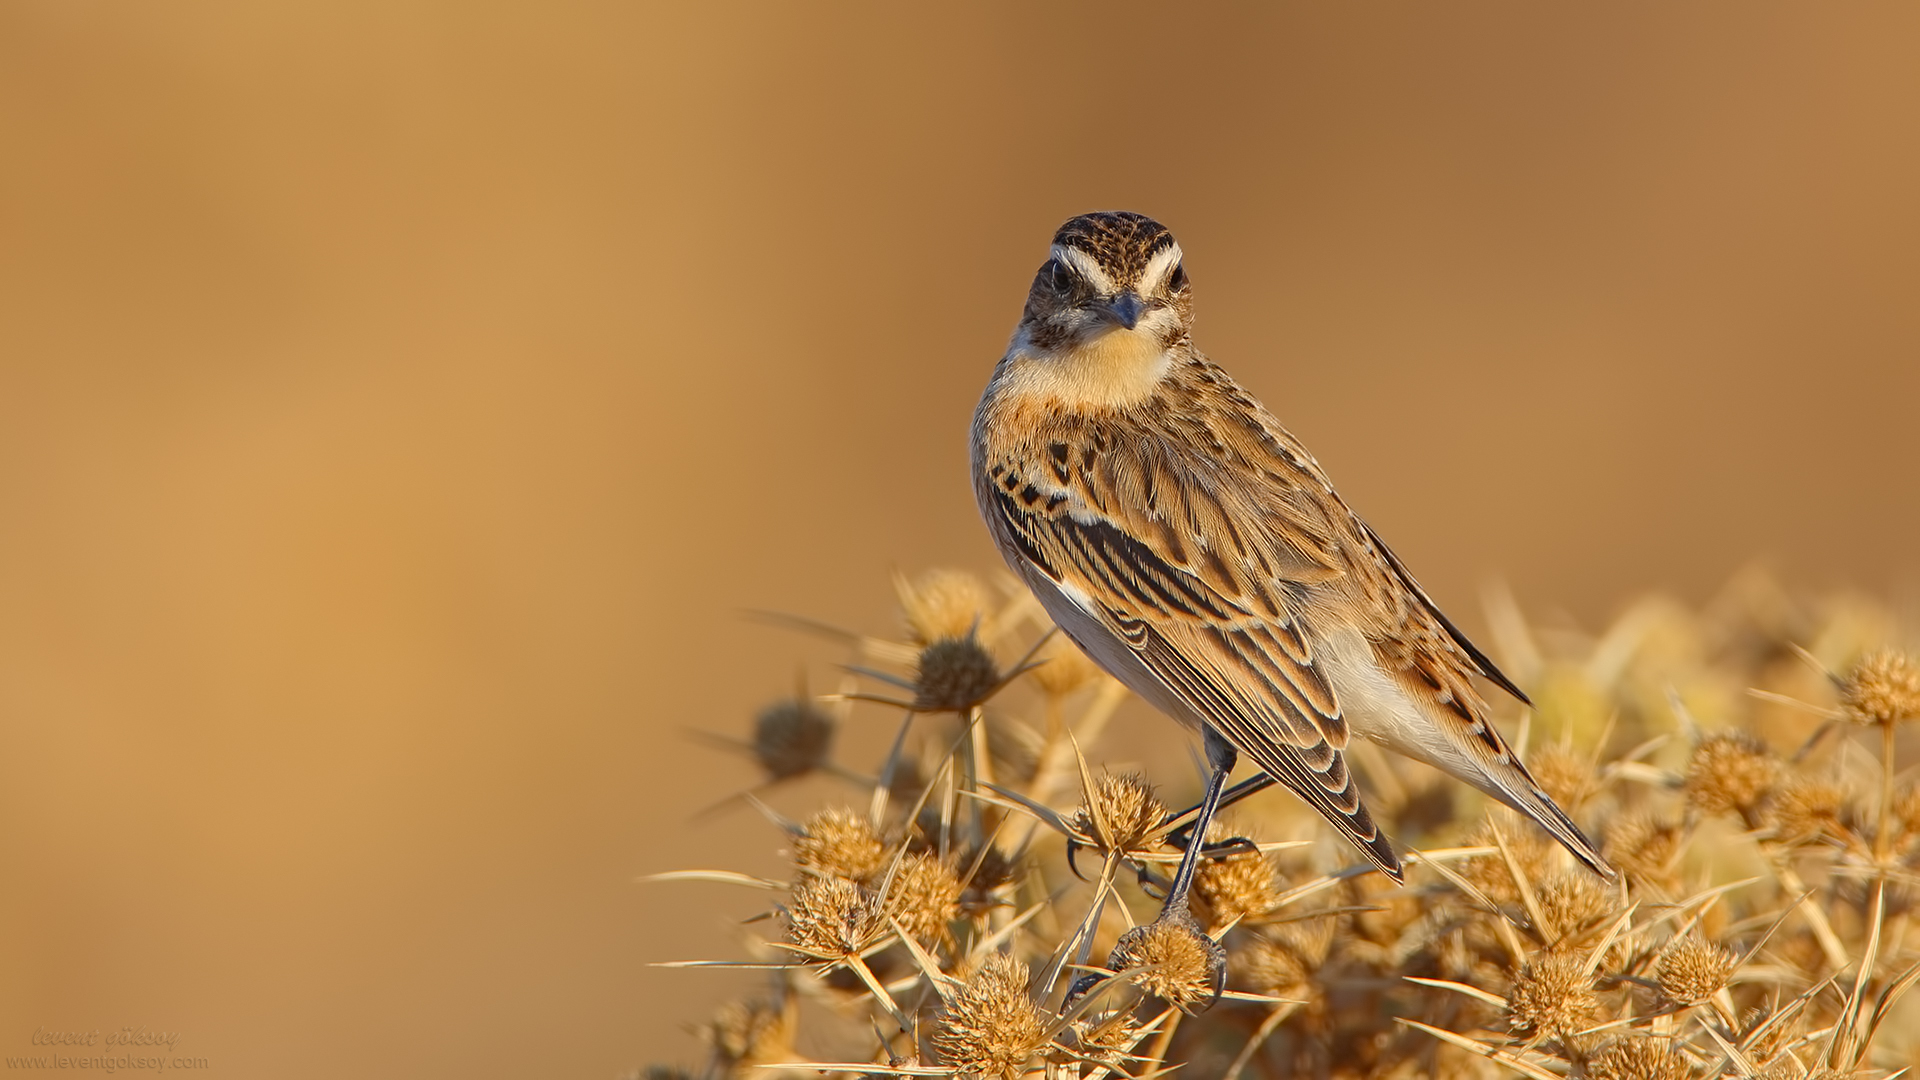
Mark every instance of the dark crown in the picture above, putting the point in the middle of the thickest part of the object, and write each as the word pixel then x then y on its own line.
pixel 1122 242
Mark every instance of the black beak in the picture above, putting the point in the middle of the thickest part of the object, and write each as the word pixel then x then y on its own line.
pixel 1123 310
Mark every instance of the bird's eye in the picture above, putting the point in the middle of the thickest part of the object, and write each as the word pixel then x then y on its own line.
pixel 1057 277
pixel 1178 279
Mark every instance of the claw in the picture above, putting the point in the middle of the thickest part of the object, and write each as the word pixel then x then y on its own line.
pixel 1228 848
pixel 1081 986
pixel 1073 847
pixel 1219 849
pixel 1153 886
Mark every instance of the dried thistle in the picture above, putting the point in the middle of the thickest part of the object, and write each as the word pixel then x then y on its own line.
pixel 1644 847
pixel 1532 853
pixel 1122 813
pixel 1238 887
pixel 1553 995
pixel 942 604
pixel 1568 777
pixel 924 896
pixel 1906 809
pixel 990 872
pixel 856 893
pixel 792 738
pixel 1183 966
pixel 1731 772
pixel 1017 749
pixel 831 918
pixel 1573 901
pixel 1804 809
pixel 1692 970
pixel 955 674
pixel 1109 1039
pixel 839 842
pixel 989 1027
pixel 1280 960
pixel 1063 668
pixel 1761 1045
pixel 746 1035
pixel 1637 1058
pixel 1883 688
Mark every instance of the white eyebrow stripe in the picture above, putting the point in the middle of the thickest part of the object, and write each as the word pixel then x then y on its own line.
pixel 1084 265
pixel 1160 266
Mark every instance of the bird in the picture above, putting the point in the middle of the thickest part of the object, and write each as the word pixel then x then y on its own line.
pixel 1191 546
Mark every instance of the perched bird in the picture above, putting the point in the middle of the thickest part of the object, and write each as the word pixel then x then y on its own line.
pixel 1193 548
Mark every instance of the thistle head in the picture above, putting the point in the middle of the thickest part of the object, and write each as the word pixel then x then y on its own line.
pixel 1692 969
pixel 1883 688
pixel 1553 995
pixel 1182 966
pixel 838 842
pixel 792 738
pixel 1731 772
pixel 990 1027
pixel 955 674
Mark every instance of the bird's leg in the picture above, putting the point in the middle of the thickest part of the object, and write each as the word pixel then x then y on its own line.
pixel 1176 932
pixel 1221 755
pixel 1180 837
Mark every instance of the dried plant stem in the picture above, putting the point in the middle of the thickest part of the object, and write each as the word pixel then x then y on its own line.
pixel 1164 1038
pixel 1259 1039
pixel 1883 836
pixel 1789 879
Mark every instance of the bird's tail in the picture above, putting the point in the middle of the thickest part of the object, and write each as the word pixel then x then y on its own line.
pixel 1519 790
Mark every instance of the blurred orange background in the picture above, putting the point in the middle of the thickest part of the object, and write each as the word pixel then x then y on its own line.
pixel 400 403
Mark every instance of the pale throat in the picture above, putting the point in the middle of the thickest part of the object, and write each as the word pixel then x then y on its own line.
pixel 1117 369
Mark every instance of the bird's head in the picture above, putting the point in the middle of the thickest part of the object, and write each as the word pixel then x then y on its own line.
pixel 1112 284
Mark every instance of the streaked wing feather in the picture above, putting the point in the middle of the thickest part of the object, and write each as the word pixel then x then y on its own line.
pixel 1252 678
pixel 1481 663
